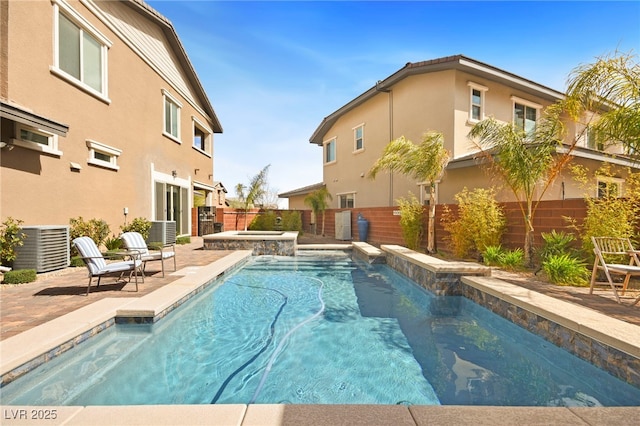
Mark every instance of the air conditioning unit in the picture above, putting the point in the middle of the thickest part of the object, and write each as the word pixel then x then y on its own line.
pixel 343 225
pixel 46 248
pixel 162 232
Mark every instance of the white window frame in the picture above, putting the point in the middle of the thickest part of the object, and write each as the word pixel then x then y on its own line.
pixel 52 140
pixel 195 123
pixel 61 7
pixel 482 89
pixel 607 180
pixel 168 97
pixel 355 138
pixel 346 196
pixel 97 147
pixel 325 147
pixel 527 104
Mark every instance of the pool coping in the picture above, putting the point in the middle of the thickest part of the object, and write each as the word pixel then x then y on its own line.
pixel 311 415
pixel 83 323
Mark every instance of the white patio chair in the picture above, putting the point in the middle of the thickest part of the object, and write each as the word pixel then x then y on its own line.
pixel 97 264
pixel 604 248
pixel 133 241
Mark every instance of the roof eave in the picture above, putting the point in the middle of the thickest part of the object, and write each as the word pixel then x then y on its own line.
pixel 176 44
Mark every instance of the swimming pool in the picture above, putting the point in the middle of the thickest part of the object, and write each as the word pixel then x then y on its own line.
pixel 356 333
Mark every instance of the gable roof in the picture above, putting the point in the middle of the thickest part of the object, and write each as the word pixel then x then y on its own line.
pixel 457 62
pixel 149 44
pixel 301 191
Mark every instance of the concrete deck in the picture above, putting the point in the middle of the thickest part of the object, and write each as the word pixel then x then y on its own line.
pixel 58 296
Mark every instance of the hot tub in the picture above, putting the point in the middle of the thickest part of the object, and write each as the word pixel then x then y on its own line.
pixel 281 243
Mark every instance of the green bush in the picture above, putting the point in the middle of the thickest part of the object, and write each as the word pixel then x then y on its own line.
pixel 76 262
pixel 507 259
pixel 609 217
pixel 113 243
pixel 492 255
pixel 140 225
pixel 97 229
pixel 565 270
pixel 183 240
pixel 20 276
pixel 480 222
pixel 556 243
pixel 265 221
pixel 411 221
pixel 291 221
pixel 11 237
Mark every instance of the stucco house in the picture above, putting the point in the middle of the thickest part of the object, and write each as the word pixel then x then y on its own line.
pixel 103 115
pixel 447 95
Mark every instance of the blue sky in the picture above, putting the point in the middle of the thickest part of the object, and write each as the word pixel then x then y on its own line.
pixel 274 69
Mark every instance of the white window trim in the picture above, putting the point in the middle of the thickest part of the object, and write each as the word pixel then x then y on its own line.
pixel 482 90
pixel 50 148
pixel 166 95
pixel 355 140
pixel 324 150
pixel 113 153
pixel 85 25
pixel 340 194
pixel 517 100
pixel 195 122
pixel 609 179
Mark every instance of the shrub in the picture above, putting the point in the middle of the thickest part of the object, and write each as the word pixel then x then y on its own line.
pixel 507 259
pixel 411 221
pixel 11 237
pixel 183 240
pixel 492 255
pixel 513 259
pixel 20 276
pixel 113 243
pixel 76 261
pixel 140 225
pixel 480 222
pixel 565 270
pixel 265 221
pixel 556 243
pixel 97 229
pixel 291 221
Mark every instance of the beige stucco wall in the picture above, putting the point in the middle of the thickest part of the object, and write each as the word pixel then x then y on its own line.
pixel 41 188
pixel 437 101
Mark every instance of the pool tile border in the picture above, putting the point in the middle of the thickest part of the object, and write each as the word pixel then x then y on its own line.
pixel 605 342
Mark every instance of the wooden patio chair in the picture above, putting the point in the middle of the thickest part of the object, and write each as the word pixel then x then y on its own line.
pixel 614 249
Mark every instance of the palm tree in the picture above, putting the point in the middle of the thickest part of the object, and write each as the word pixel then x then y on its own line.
pixel 424 162
pixel 317 200
pixel 255 190
pixel 610 86
pixel 526 161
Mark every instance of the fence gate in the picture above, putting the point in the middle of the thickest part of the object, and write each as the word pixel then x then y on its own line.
pixel 206 218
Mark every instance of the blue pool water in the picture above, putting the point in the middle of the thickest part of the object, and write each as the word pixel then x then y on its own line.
pixel 320 330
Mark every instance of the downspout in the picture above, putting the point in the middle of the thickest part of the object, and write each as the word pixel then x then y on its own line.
pixel 380 88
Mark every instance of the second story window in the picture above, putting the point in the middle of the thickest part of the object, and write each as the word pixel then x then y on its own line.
pixel 81 51
pixel 171 116
pixel 201 137
pixel 358 138
pixel 525 114
pixel 609 187
pixel 330 151
pixel 593 141
pixel 476 102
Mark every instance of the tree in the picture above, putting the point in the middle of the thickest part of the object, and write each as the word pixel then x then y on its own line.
pixel 611 86
pixel 247 195
pixel 527 161
pixel 424 162
pixel 317 201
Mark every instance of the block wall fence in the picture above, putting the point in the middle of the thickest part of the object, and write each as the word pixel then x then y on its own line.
pixel 384 222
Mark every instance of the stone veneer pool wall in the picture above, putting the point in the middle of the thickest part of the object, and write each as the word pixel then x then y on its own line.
pixel 260 242
pixel 446 278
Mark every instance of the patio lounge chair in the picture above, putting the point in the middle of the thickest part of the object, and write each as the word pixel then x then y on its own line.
pixel 133 241
pixel 604 248
pixel 97 264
